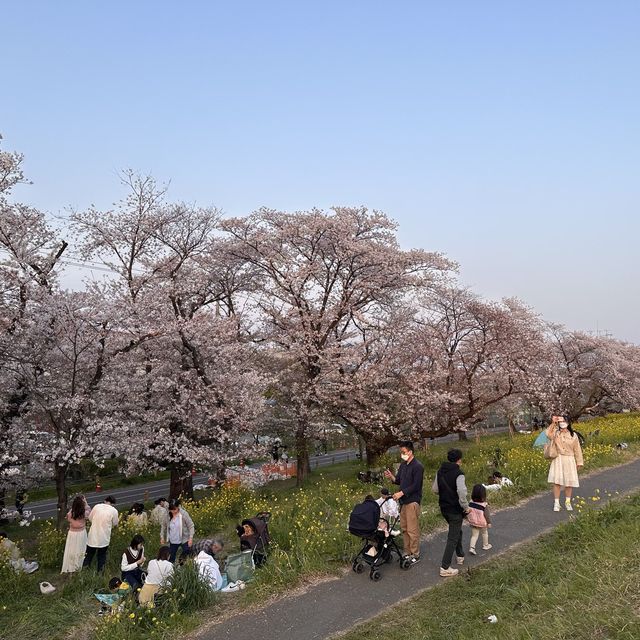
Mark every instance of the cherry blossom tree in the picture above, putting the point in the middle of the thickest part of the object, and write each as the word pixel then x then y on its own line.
pixel 196 392
pixel 30 251
pixel 317 272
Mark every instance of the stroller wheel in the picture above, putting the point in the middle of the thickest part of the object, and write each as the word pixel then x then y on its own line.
pixel 358 567
pixel 376 576
pixel 405 563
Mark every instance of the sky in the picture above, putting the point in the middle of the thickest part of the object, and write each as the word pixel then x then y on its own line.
pixel 503 134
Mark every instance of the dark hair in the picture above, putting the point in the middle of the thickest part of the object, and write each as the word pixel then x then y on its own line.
pixel 369 497
pixel 407 444
pixel 137 508
pixel 110 500
pixel 114 583
pixel 453 455
pixel 164 553
pixel 479 493
pixel 136 540
pixel 569 427
pixel 159 500
pixel 497 474
pixel 173 504
pixel 78 508
pixel 3 534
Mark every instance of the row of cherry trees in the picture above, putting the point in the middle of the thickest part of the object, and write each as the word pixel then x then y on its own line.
pixel 168 362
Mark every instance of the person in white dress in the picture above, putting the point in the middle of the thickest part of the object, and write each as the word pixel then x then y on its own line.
pixel 76 545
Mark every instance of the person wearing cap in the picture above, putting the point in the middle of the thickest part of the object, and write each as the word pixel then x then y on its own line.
pixel 212 546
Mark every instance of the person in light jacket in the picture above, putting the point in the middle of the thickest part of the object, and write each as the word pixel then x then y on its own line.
pixel 563 471
pixel 177 529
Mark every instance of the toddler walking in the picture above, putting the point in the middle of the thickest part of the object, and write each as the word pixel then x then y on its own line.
pixel 478 518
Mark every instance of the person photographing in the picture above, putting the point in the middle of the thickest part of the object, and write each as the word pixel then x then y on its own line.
pixel 409 478
pixel 563 471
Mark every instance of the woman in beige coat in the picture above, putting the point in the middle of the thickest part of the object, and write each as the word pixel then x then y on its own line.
pixel 563 471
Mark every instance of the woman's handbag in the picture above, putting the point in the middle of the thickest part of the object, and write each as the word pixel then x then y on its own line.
pixel 550 450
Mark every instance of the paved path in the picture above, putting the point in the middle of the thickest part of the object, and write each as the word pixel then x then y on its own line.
pixel 337 605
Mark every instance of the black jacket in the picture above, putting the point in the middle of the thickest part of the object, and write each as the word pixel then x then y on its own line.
pixel 447 491
pixel 409 477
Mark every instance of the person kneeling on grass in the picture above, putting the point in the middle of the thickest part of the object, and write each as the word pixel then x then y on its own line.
pixel 17 562
pixel 132 561
pixel 158 572
pixel 209 570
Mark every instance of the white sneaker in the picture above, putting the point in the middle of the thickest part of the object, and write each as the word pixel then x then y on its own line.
pixel 556 506
pixel 395 532
pixel 567 506
pixel 486 547
pixel 230 588
pixel 460 559
pixel 472 551
pixel 446 573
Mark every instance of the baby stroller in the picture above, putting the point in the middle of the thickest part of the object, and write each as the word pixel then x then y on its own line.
pixel 378 548
pixel 253 548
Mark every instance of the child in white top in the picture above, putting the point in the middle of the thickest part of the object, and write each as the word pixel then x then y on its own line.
pixel 389 512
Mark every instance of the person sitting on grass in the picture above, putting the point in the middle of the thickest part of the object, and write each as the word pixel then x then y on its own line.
pixel 138 516
pixel 132 561
pixel 158 572
pixel 159 512
pixel 17 562
pixel 496 481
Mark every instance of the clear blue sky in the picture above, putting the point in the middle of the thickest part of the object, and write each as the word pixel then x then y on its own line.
pixel 506 134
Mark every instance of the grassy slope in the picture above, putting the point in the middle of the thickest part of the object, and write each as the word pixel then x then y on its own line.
pixel 29 614
pixel 577 582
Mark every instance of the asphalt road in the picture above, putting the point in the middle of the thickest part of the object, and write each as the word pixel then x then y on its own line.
pixel 126 496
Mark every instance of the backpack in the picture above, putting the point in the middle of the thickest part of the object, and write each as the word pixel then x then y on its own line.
pixel 364 518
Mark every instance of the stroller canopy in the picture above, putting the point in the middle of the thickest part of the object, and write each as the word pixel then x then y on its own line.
pixel 364 518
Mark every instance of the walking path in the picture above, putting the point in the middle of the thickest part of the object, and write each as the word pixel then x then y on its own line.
pixel 337 605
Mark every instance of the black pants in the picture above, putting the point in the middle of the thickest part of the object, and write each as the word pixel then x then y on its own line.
pixel 134 578
pixel 102 557
pixel 454 538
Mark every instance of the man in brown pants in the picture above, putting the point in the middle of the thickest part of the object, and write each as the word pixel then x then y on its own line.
pixel 409 477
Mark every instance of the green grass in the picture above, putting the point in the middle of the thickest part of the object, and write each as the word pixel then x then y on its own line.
pixel 315 516
pixel 580 581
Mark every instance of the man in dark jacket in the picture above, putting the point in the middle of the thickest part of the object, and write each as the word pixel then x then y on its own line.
pixel 409 477
pixel 450 486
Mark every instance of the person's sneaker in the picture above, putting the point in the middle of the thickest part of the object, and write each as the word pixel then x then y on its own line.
pixel 486 547
pixel 446 573
pixel 413 559
pixel 460 559
pixel 231 587
pixel 567 506
pixel 472 551
pixel 556 506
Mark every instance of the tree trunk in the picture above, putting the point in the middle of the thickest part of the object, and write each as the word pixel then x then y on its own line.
pixel 181 483
pixel 360 448
pixel 512 427
pixel 374 451
pixel 462 435
pixel 61 491
pixel 302 455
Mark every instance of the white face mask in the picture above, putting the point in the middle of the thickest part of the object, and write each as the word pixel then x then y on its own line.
pixel 563 425
pixel 404 456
